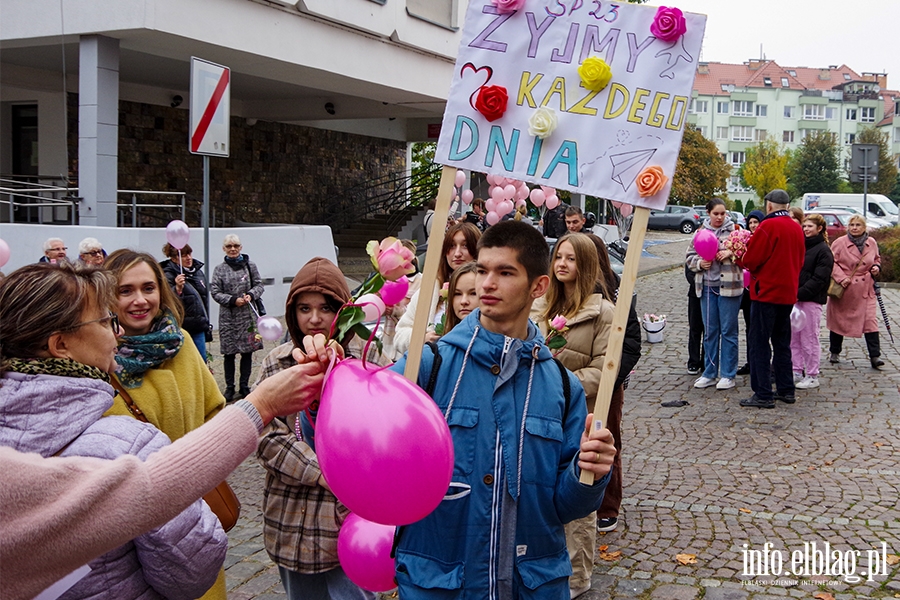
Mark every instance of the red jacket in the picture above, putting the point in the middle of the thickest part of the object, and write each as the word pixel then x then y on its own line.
pixel 774 258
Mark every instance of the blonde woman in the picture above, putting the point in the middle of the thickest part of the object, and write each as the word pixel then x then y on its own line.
pixel 574 279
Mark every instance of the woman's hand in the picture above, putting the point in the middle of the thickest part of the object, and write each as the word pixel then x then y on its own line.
pixel 705 264
pixel 845 282
pixel 318 348
pixel 431 336
pixel 288 391
pixel 240 301
pixel 597 449
pixel 875 270
pixel 723 255
pixel 179 283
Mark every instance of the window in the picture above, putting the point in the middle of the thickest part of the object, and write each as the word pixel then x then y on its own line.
pixel 787 136
pixel 438 12
pixel 761 110
pixel 897 108
pixel 867 114
pixel 831 113
pixel 897 135
pixel 850 115
pixel 792 72
pixel 760 135
pixel 722 107
pixel 727 87
pixel 721 133
pixel 767 81
pixel 846 76
pixel 737 158
pixel 700 106
pixel 813 112
pixel 743 108
pixel 789 112
pixel 741 133
pixel 785 82
pixel 849 138
pixel 703 130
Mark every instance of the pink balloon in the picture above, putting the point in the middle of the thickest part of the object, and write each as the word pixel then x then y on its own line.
pixel 492 218
pixel 522 192
pixel 460 179
pixel 490 204
pixel 626 209
pixel 4 253
pixel 379 431
pixel 177 234
pixel 372 305
pixel 364 549
pixel 269 328
pixel 393 292
pixel 552 202
pixel 548 191
pixel 505 207
pixel 520 203
pixel 491 178
pixel 746 278
pixel 509 191
pixel 468 196
pixel 538 197
pixel 453 193
pixel 706 244
pixel 497 193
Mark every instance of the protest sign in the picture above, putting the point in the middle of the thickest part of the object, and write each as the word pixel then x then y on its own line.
pixel 531 99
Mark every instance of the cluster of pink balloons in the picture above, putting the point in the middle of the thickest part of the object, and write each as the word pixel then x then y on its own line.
pixel 545 196
pixel 466 195
pixel 505 195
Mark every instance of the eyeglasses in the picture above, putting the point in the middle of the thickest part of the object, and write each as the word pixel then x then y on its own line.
pixel 94 253
pixel 230 246
pixel 112 317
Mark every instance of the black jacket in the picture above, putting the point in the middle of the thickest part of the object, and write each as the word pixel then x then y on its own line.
pixel 816 272
pixel 555 221
pixel 194 296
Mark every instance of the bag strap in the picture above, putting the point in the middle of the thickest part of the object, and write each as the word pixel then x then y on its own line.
pixel 135 411
pixel 857 266
pixel 567 388
pixel 435 367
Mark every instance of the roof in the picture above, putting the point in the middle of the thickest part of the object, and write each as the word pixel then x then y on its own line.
pixel 762 73
pixel 890 97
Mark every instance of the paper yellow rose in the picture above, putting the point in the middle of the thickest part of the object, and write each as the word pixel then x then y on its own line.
pixel 543 122
pixel 595 73
pixel 650 181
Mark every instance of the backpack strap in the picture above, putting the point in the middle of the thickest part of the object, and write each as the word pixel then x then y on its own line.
pixel 435 367
pixel 567 388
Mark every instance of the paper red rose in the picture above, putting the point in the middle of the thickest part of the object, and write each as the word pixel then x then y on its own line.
pixel 491 101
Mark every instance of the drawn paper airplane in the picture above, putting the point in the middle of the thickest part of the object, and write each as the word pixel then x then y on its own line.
pixel 627 166
pixel 674 54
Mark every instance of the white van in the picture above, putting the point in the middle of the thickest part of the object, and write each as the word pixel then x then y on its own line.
pixel 878 205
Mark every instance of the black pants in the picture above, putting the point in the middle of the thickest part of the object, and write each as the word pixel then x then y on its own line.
pixel 246 366
pixel 770 322
pixel 873 345
pixel 695 331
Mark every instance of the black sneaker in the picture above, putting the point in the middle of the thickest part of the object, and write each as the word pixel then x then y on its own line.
pixel 245 391
pixel 786 398
pixel 877 363
pixel 608 524
pixel 755 401
pixel 745 370
pixel 694 370
pixel 229 394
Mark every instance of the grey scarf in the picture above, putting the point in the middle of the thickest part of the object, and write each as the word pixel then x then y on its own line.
pixel 859 242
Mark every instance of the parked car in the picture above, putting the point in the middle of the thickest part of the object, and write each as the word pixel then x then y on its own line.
pixel 738 218
pixel 701 210
pixel 872 221
pixel 836 221
pixel 683 218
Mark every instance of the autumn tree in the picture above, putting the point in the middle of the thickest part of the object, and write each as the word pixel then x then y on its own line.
pixel 887 168
pixel 764 168
pixel 701 173
pixel 815 166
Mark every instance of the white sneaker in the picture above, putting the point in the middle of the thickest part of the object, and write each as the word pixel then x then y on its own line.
pixel 726 383
pixel 807 383
pixel 798 377
pixel 704 382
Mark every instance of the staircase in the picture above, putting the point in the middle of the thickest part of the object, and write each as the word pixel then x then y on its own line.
pixel 352 239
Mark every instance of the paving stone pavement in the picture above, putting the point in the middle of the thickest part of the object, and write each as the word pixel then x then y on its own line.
pixel 714 480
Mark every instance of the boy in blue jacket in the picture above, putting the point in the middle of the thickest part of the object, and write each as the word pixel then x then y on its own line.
pixel 519 441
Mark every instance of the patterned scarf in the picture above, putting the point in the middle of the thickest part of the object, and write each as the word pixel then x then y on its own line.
pixel 859 242
pixel 139 353
pixel 62 367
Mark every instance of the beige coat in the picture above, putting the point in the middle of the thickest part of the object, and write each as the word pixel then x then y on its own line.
pixel 586 341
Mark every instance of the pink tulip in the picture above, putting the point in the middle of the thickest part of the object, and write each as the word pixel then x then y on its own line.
pixel 391 258
pixel 558 323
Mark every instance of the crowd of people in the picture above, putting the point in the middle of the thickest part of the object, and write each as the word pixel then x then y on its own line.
pixel 790 270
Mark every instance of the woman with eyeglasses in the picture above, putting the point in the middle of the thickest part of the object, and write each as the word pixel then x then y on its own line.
pixel 236 284
pixel 91 252
pixel 160 374
pixel 58 347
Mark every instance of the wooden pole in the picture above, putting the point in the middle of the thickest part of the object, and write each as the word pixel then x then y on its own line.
pixel 620 319
pixel 429 274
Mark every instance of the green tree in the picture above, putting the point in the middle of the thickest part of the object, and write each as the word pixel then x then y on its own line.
pixel 887 167
pixel 764 168
pixel 815 166
pixel 701 173
pixel 425 178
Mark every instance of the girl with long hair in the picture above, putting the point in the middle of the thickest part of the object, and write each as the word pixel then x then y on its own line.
pixel 815 275
pixel 461 295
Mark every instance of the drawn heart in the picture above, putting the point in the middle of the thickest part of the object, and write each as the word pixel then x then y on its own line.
pixel 476 71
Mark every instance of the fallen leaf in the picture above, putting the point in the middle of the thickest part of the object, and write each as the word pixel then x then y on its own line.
pixel 611 556
pixel 787 445
pixel 688 559
pixel 829 462
pixel 824 596
pixel 745 510
pixel 603 548
pixel 878 444
pixel 893 559
pixel 810 468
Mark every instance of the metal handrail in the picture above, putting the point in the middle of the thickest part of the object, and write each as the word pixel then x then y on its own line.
pixel 13 193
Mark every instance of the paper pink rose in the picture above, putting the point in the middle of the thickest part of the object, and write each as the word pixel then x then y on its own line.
pixel 391 258
pixel 508 6
pixel 668 24
pixel 558 322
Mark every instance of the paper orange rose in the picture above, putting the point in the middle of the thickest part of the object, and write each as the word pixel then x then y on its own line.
pixel 650 181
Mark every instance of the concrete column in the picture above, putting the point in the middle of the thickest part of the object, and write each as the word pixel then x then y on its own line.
pixel 98 129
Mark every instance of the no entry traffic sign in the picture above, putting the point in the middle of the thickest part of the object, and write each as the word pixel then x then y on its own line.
pixel 210 108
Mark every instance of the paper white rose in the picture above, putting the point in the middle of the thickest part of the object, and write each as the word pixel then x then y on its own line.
pixel 543 122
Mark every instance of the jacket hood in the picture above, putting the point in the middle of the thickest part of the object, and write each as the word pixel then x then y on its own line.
pixel 44 413
pixel 318 275
pixel 487 349
pixel 727 226
pixel 756 214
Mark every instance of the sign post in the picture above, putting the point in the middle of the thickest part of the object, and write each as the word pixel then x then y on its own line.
pixel 210 115
pixel 864 167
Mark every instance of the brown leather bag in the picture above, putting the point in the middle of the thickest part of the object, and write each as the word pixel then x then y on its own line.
pixel 221 499
pixel 835 289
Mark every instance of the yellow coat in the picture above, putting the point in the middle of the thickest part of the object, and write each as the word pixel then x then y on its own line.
pixel 177 397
